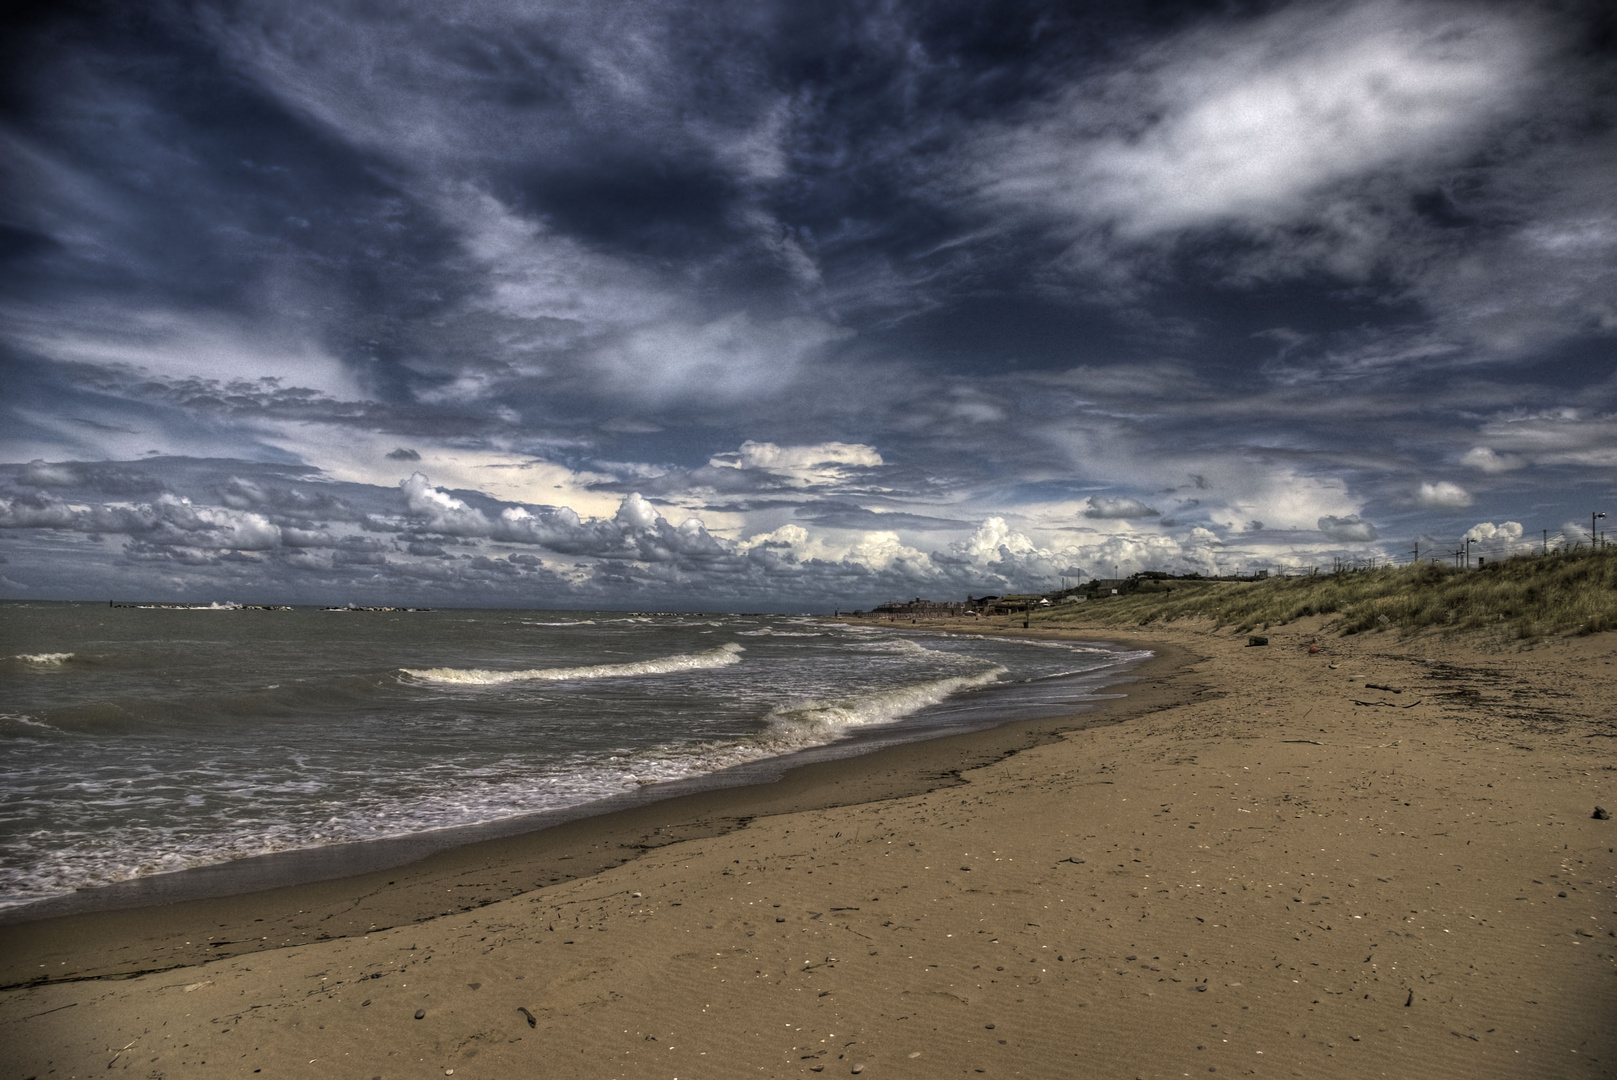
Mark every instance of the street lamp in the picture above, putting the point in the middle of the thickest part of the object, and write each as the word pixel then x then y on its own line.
pixel 1592 534
pixel 1468 542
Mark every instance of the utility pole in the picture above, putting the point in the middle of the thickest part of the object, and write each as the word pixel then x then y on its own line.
pixel 1592 519
pixel 1546 541
pixel 1417 549
pixel 1468 542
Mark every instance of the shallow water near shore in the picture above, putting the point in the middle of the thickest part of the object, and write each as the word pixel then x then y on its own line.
pixel 144 741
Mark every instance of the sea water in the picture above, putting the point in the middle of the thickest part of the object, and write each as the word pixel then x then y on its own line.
pixel 140 741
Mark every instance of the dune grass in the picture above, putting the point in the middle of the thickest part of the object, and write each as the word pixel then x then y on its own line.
pixel 1526 597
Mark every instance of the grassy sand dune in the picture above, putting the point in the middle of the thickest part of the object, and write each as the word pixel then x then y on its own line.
pixel 1526 597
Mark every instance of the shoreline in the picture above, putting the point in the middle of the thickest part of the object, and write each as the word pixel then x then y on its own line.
pixel 312 865
pixel 1376 859
pixel 148 924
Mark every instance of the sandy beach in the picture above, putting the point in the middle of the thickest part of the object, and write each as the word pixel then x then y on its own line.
pixel 1378 859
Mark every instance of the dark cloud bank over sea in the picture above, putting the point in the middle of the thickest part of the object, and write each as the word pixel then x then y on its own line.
pixel 754 305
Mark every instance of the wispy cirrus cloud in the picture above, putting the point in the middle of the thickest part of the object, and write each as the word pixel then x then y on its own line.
pixel 1384 139
pixel 1270 120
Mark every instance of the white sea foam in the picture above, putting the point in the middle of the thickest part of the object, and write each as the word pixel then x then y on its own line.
pixel 912 649
pixel 811 722
pixel 723 656
pixel 802 726
pixel 47 658
pixel 894 646
pixel 27 721
pixel 1034 643
pixel 568 622
pixel 69 859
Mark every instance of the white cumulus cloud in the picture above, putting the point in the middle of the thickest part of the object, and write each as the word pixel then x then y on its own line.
pixel 1484 459
pixel 443 512
pixel 994 541
pixel 885 551
pixel 813 465
pixel 1442 494
pixel 1499 540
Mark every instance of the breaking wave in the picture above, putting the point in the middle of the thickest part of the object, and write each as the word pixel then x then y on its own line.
pixel 723 656
pixel 810 723
pixel 46 658
pixel 802 726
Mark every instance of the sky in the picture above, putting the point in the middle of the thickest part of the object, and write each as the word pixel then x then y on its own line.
pixel 781 306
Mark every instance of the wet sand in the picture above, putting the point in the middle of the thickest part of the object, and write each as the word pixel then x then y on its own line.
pixel 1256 863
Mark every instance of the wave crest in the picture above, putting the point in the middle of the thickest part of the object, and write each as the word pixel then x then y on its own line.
pixel 49 658
pixel 810 722
pixel 723 656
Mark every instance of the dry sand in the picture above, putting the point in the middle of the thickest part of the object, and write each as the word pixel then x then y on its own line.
pixel 1266 867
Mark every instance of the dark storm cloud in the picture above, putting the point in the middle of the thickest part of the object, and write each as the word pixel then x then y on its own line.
pixel 1349 529
pixel 103 478
pixel 1102 507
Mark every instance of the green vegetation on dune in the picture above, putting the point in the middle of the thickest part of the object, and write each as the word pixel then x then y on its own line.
pixel 1526 597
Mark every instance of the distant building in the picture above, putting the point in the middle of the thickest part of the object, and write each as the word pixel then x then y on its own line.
pixel 921 609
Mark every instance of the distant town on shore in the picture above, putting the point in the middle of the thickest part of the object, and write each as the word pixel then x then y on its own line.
pixel 1095 588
